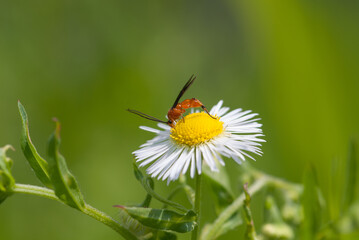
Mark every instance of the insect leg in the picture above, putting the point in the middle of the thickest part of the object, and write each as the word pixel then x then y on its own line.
pixel 205 109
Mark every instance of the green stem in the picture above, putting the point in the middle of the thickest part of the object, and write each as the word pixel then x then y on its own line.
pixel 250 230
pixel 35 190
pixel 107 220
pixel 172 194
pixel 231 209
pixel 197 205
pixel 88 209
pixel 274 181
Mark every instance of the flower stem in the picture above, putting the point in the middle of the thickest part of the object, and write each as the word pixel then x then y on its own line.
pixel 88 209
pixel 197 205
pixel 107 220
pixel 231 209
pixel 35 190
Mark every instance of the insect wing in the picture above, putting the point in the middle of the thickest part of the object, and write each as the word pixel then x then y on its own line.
pixel 184 89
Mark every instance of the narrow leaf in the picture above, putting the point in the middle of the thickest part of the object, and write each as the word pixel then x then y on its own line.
pixel 351 181
pixel 145 184
pixel 65 184
pixel 231 224
pixel 311 205
pixel 271 211
pixel 140 231
pixel 163 219
pixel 336 190
pixel 37 163
pixel 250 233
pixel 7 181
pixel 147 201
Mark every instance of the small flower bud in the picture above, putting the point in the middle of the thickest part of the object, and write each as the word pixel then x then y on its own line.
pixel 277 231
pixel 292 213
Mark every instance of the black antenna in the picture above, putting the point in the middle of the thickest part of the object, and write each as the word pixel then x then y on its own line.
pixel 146 116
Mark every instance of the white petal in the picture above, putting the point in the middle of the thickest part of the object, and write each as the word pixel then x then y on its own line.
pixel 150 129
pixel 191 154
pixel 199 160
pixel 222 111
pixel 172 170
pixel 193 165
pixel 216 108
pixel 208 158
pixel 164 126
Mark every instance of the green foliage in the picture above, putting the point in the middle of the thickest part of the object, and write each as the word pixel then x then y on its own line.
pixel 290 210
pixel 275 227
pixel 352 178
pixel 231 224
pixel 141 231
pixel 220 185
pixel 190 193
pixel 347 221
pixel 311 205
pixel 55 173
pixel 277 231
pixel 221 188
pixel 7 181
pixel 250 233
pixel 163 219
pixel 37 163
pixel 146 184
pixel 65 185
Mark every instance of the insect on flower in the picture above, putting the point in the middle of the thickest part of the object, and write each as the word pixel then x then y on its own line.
pixel 178 108
pixel 186 142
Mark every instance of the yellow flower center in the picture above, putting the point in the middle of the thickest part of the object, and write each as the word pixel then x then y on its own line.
pixel 196 128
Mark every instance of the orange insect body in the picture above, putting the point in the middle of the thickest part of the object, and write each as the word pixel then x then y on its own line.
pixel 175 113
pixel 178 109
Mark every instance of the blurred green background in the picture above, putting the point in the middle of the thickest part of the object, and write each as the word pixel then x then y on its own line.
pixel 85 62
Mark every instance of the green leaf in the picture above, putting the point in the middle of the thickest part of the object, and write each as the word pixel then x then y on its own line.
pixel 271 211
pixel 183 186
pixel 336 190
pixel 250 233
pixel 37 163
pixel 231 224
pixel 219 182
pixel 144 180
pixel 349 222
pixel 162 235
pixel 65 184
pixel 351 179
pixel 163 219
pixel 190 193
pixel 221 188
pixel 7 181
pixel 311 205
pixel 147 201
pixel 140 231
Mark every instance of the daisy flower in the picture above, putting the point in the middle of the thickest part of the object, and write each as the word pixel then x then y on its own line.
pixel 199 139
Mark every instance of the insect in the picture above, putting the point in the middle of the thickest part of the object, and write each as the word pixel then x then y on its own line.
pixel 178 108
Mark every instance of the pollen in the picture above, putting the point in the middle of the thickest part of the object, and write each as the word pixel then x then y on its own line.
pixel 196 128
